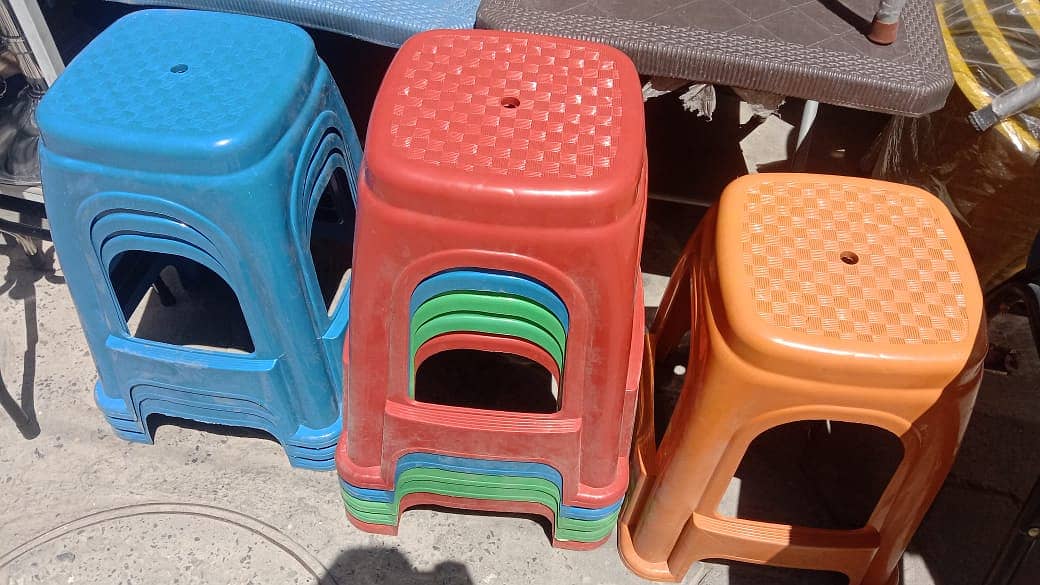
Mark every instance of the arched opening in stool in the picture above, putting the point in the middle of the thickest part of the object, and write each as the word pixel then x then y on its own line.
pixel 738 573
pixel 332 239
pixel 486 380
pixel 518 519
pixel 175 300
pixel 815 474
pixel 155 421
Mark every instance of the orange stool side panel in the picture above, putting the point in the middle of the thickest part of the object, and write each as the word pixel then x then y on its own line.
pixel 807 297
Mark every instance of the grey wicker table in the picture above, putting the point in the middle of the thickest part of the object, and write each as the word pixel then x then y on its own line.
pixel 811 49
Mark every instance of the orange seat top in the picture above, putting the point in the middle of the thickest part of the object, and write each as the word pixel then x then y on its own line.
pixel 860 281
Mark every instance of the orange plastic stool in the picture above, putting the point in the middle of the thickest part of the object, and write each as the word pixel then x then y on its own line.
pixel 807 297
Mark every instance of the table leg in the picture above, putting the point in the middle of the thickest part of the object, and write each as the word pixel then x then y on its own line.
pixel 885 28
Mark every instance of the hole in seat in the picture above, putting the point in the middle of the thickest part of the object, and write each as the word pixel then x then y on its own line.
pixel 486 380
pixel 175 300
pixel 815 474
pixel 155 421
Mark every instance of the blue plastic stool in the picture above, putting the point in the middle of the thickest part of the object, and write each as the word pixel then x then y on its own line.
pixel 496 281
pixel 385 22
pixel 204 139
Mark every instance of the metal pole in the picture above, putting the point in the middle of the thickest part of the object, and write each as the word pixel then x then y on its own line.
pixel 1025 534
pixel 15 42
pixel 804 141
pixel 1009 103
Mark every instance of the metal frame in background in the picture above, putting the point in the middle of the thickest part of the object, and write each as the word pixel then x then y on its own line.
pixel 1025 534
pixel 25 31
pixel 37 34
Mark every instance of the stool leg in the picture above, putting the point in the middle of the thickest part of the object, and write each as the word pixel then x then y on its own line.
pixel 166 297
pixel 690 453
pixel 885 28
pixel 930 447
pixel 936 435
pixel 673 315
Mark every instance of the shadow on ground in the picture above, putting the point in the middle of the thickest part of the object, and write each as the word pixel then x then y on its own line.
pixel 383 566
pixel 20 284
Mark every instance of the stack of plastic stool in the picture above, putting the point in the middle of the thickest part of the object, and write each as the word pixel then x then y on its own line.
pixel 165 143
pixel 503 200
pixel 807 297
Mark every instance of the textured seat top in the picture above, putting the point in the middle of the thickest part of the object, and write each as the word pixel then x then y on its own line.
pixel 862 272
pixel 386 22
pixel 812 49
pixel 473 115
pixel 180 91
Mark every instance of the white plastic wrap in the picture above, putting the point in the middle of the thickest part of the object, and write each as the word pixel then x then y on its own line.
pixel 992 48
pixel 989 180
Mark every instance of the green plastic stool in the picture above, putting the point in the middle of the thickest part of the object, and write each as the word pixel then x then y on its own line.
pixel 478 486
pixel 493 304
pixel 481 323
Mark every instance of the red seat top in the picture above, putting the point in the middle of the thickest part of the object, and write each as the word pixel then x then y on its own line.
pixel 478 123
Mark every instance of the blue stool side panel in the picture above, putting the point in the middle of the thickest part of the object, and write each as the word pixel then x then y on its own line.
pixel 125 360
pixel 384 22
pixel 306 448
pixel 335 146
pixel 332 151
pixel 477 279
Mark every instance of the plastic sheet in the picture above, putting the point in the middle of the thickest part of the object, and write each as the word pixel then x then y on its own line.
pixel 989 180
pixel 994 47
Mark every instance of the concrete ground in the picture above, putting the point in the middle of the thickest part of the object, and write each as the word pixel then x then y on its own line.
pixel 209 505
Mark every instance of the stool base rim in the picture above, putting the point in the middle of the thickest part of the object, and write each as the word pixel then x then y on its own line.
pixel 654 571
pixel 659 571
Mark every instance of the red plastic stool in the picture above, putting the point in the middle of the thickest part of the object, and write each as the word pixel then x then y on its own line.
pixel 495 343
pixel 508 152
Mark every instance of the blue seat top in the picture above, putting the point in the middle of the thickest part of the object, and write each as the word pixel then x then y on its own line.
pixel 180 91
pixel 386 22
